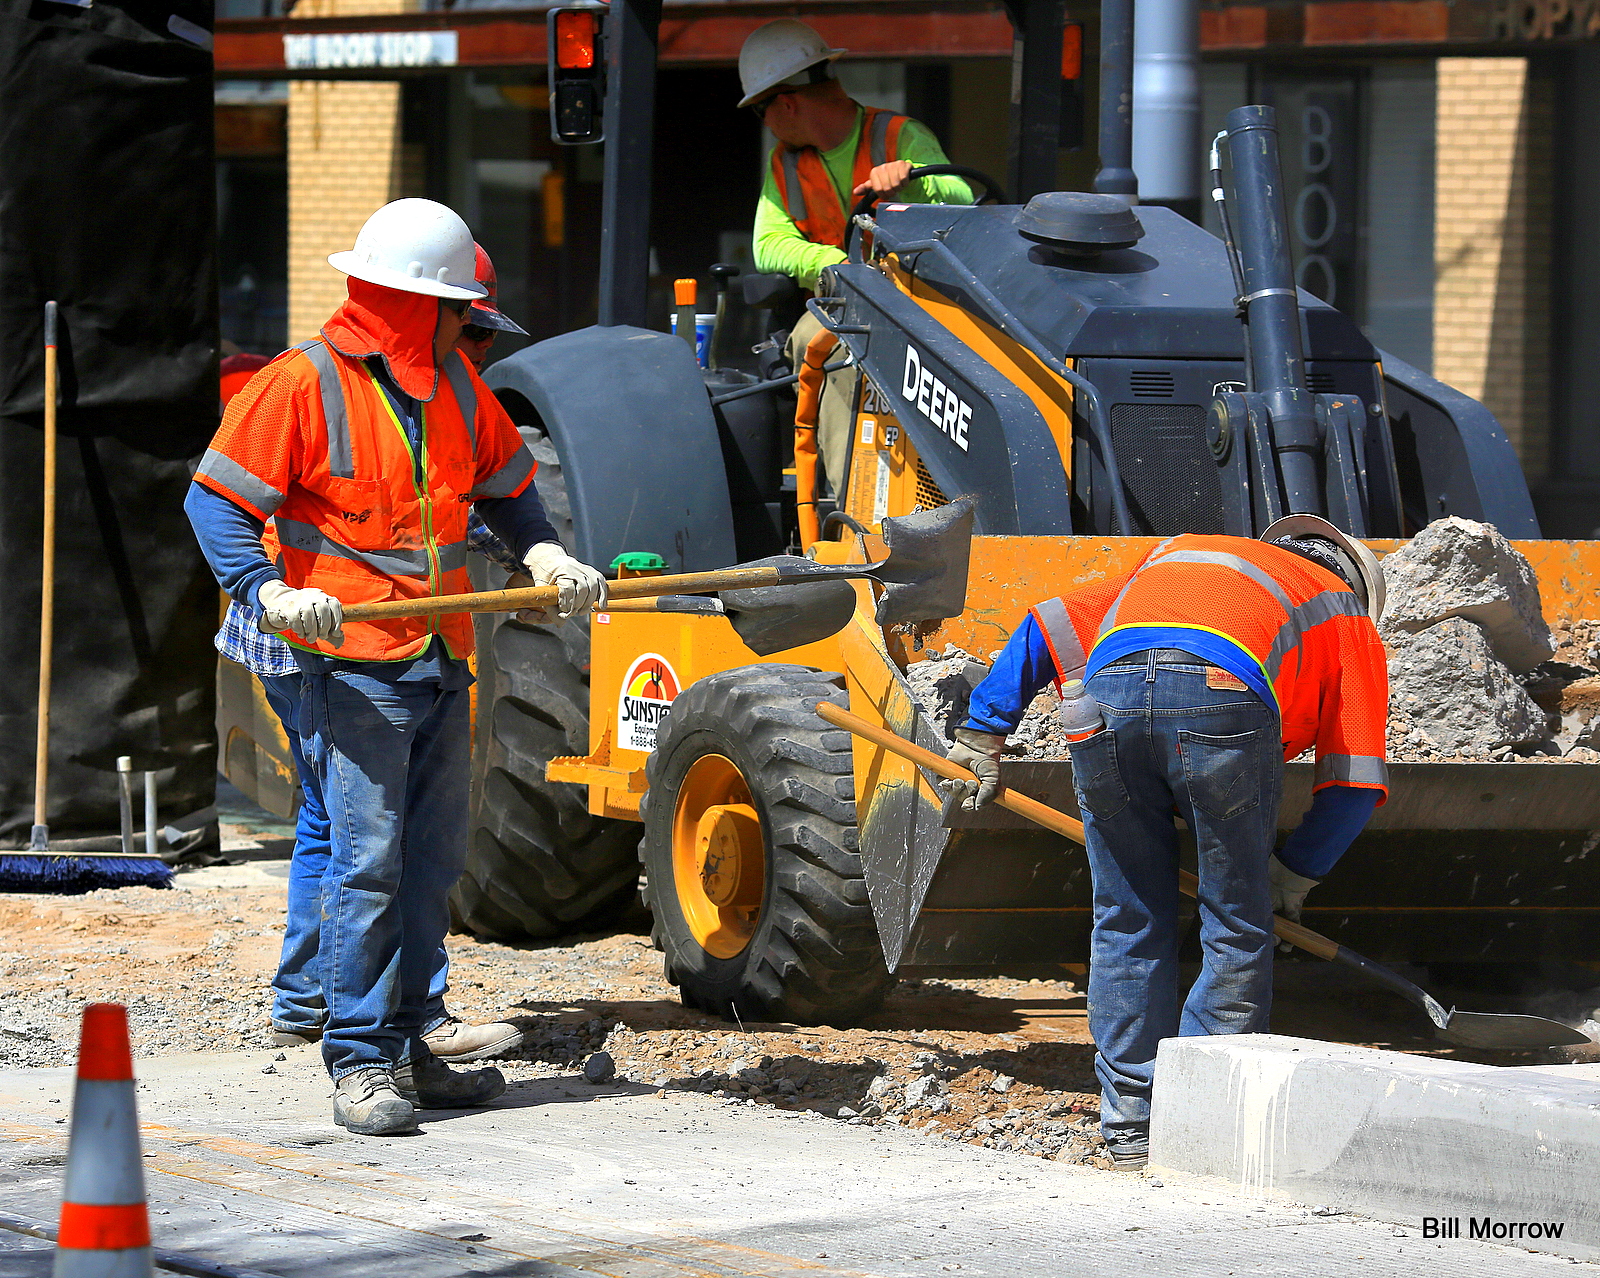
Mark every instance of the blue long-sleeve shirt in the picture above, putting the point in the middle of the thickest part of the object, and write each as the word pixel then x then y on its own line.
pixel 1338 813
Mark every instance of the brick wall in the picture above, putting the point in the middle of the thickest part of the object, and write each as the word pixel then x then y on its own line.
pixel 344 164
pixel 1491 326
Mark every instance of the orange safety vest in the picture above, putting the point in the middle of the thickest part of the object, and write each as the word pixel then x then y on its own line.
pixel 314 445
pixel 808 193
pixel 1305 628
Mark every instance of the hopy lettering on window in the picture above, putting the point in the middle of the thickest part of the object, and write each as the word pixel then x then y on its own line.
pixel 938 403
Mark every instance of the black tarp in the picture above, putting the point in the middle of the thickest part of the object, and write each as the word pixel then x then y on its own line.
pixel 107 205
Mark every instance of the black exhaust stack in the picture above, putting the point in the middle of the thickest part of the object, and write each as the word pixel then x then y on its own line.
pixel 1275 356
pixel 1116 175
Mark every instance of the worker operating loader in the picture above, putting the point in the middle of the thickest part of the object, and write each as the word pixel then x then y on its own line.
pixel 366 446
pixel 1212 662
pixel 831 151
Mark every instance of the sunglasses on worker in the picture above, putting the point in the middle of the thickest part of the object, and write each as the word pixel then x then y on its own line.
pixel 476 332
pixel 457 304
pixel 760 108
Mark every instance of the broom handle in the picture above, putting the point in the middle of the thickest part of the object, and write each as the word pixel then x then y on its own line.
pixel 1040 813
pixel 688 583
pixel 47 578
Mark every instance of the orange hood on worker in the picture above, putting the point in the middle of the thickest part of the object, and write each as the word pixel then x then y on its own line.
pixel 397 327
pixel 315 444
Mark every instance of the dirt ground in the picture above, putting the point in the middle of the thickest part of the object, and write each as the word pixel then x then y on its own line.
pixel 1004 1063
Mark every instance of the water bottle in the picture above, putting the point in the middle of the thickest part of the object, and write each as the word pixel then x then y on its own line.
pixel 1080 713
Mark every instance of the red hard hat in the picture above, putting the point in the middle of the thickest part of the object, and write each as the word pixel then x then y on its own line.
pixel 487 312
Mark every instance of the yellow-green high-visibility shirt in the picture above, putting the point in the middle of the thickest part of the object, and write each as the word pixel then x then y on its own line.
pixel 779 245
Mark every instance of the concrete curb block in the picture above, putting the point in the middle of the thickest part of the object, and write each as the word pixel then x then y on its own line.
pixel 1481 1151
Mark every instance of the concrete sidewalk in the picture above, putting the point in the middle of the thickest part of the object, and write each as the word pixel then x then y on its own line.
pixel 246 1171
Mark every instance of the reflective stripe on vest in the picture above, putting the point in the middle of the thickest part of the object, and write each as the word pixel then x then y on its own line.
pixel 506 480
pixel 234 477
pixel 393 562
pixel 334 412
pixel 1351 769
pixel 1061 637
pixel 878 129
pixel 1316 610
pixel 1109 621
pixel 1225 560
pixel 466 394
pixel 794 195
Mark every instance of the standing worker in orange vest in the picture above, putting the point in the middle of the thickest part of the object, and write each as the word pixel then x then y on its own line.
pixel 1212 662
pixel 366 446
pixel 831 151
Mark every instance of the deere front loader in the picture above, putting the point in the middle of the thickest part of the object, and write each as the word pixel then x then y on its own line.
pixel 1095 377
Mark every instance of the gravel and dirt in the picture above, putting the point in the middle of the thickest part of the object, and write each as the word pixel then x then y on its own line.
pixel 1003 1063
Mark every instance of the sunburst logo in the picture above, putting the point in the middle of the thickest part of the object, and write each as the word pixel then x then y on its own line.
pixel 648 691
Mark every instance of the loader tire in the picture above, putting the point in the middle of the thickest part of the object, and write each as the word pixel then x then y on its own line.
pixel 538 863
pixel 788 933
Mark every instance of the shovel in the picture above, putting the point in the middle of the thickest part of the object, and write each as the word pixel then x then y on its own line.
pixel 923 575
pixel 1499 1030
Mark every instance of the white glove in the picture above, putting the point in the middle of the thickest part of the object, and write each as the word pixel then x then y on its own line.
pixel 311 614
pixel 1288 889
pixel 979 752
pixel 581 586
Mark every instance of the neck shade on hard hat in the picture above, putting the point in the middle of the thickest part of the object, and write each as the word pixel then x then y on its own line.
pixel 415 246
pixel 1314 538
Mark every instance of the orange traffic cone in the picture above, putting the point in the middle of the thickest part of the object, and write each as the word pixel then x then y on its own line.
pixel 105 1226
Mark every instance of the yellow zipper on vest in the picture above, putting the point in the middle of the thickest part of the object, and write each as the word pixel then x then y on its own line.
pixel 435 572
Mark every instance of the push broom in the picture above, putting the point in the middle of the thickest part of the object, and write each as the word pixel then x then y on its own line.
pixel 40 868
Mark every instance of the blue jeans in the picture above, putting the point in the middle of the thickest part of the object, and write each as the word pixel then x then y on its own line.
pixel 297 1002
pixel 392 763
pixel 1213 755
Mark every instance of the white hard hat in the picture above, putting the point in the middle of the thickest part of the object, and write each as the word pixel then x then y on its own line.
pixel 1361 567
pixel 781 53
pixel 415 246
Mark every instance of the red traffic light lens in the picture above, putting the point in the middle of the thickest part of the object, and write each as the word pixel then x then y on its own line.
pixel 575 39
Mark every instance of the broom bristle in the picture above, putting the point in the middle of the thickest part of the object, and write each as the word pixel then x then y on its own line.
pixel 76 873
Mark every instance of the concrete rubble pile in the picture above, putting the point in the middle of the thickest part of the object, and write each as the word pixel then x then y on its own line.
pixel 1475 673
pixel 1472 675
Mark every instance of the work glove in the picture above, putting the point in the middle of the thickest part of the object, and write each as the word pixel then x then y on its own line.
pixel 311 614
pixel 979 752
pixel 581 586
pixel 1288 893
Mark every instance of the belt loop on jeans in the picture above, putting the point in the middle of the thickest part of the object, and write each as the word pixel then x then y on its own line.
pixel 1150 665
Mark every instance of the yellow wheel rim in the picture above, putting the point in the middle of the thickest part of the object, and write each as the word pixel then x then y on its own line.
pixel 719 857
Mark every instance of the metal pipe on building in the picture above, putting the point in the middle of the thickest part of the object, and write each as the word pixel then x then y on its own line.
pixel 1116 175
pixel 1272 304
pixel 1166 104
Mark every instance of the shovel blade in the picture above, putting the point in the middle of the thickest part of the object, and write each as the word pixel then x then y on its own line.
pixel 772 619
pixel 1508 1031
pixel 925 572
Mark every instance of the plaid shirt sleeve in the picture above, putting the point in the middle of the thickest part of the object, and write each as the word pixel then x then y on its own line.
pixel 241 640
pixel 479 538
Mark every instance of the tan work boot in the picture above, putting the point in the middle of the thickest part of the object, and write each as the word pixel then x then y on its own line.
pixel 455 1042
pixel 428 1083
pixel 368 1104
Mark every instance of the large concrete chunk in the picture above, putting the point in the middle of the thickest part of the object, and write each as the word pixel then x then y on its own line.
pixel 1458 568
pixel 1449 697
pixel 1507 1155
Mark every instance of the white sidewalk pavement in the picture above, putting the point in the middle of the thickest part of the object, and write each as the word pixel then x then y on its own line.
pixel 247 1173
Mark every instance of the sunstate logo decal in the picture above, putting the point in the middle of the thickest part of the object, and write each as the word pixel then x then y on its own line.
pixel 648 691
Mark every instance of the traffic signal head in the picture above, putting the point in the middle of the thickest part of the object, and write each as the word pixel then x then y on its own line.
pixel 577 73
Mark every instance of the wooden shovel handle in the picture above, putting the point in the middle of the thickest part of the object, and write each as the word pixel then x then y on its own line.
pixel 687 583
pixel 1039 813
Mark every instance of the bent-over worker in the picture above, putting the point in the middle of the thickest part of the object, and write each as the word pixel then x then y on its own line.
pixel 366 446
pixel 831 151
pixel 1214 661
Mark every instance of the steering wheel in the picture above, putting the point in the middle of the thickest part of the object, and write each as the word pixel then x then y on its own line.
pixel 993 192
